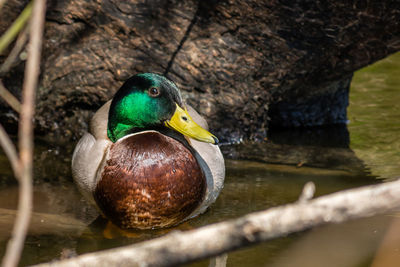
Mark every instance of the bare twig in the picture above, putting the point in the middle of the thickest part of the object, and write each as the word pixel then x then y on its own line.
pixel 10 151
pixel 11 58
pixel 15 28
pixel 9 98
pixel 308 192
pixel 253 228
pixel 25 136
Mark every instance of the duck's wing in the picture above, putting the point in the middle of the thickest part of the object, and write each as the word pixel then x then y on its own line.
pixel 98 124
pixel 89 153
pixel 212 163
pixel 197 117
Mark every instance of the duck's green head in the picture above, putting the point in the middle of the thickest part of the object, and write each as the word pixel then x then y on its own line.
pixel 151 101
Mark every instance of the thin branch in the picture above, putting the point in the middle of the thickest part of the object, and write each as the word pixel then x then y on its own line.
pixel 11 58
pixel 308 192
pixel 25 136
pixel 10 151
pixel 251 229
pixel 9 98
pixel 15 28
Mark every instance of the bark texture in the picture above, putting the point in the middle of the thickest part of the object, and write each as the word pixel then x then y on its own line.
pixel 242 64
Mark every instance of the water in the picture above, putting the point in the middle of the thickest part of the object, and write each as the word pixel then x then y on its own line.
pixel 64 225
pixel 374 116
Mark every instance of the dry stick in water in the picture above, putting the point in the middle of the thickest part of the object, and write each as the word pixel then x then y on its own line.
pixel 179 248
pixel 25 136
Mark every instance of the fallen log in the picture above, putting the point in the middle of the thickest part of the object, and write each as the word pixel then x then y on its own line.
pixel 245 65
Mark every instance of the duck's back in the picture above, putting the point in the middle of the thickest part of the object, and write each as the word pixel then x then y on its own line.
pixel 149 180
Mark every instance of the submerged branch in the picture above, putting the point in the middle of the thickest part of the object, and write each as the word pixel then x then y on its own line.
pixel 25 136
pixel 183 247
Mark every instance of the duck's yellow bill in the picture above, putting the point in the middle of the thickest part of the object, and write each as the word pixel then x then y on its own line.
pixel 183 123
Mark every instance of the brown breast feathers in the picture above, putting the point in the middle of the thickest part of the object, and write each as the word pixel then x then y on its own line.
pixel 150 180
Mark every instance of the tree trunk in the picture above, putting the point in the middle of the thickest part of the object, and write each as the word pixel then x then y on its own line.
pixel 245 65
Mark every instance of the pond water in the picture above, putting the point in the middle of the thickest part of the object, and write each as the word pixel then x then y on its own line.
pixel 374 115
pixel 64 225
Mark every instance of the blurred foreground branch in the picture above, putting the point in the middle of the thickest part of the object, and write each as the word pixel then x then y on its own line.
pixel 9 98
pixel 15 52
pixel 10 151
pixel 183 247
pixel 15 28
pixel 25 129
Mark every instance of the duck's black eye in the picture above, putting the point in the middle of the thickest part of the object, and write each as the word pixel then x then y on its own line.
pixel 153 92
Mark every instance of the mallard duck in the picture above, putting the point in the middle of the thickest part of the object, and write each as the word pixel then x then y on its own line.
pixel 148 160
